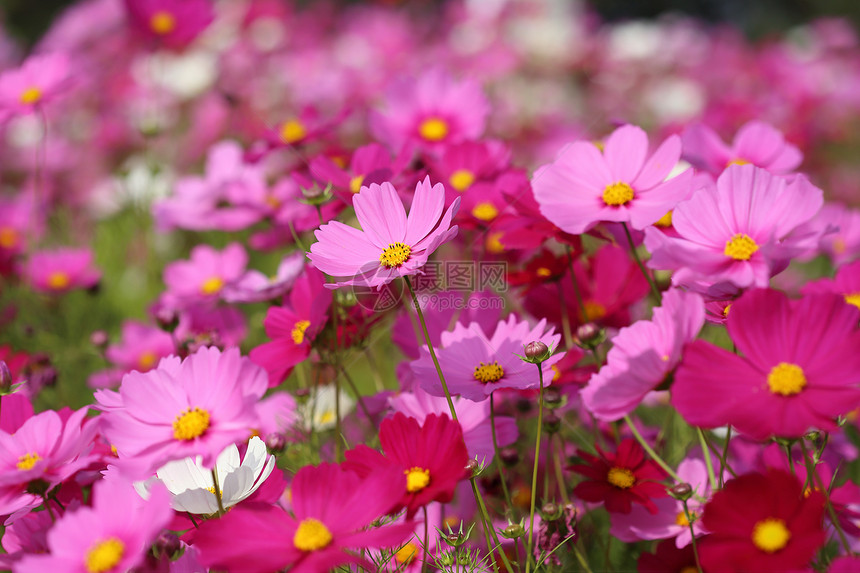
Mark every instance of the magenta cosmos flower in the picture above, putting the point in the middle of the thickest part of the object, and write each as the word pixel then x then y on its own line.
pixel 643 355
pixel 172 23
pixel 194 407
pixel 756 142
pixel 741 232
pixel 583 186
pixel 38 81
pixel 431 111
pixel 61 270
pixel 112 536
pixel 332 509
pixel 476 365
pixel 141 347
pixel 392 244
pixel 431 455
pixel 798 367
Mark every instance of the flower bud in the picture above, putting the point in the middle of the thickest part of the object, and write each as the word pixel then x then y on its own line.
pixel 167 544
pixel 276 442
pixel 510 456
pixel 5 377
pixel 552 397
pixel 681 492
pixel 550 511
pixel 513 531
pixel 536 352
pixel 551 422
pixel 99 339
pixel 473 468
pixel 589 335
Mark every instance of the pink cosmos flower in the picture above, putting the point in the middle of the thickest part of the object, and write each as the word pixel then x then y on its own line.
pixel 431 111
pixel 585 186
pixel 332 508
pixel 756 142
pixel 111 536
pixel 846 282
pixel 39 80
pixel 643 355
pixel 254 286
pixel 206 273
pixel 172 23
pixel 741 233
pixel 293 327
pixel 838 228
pixel 462 165
pixel 474 418
pixel 46 447
pixel 475 365
pixel 141 347
pixel 194 407
pixel 61 270
pixel 369 164
pixel 798 367
pixel 27 535
pixel 392 245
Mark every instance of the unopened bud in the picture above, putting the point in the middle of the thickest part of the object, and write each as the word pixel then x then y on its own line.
pixel 589 335
pixel 5 377
pixel 276 442
pixel 552 397
pixel 99 339
pixel 473 468
pixel 167 319
pixel 536 352
pixel 167 544
pixel 681 492
pixel 550 511
pixel 315 195
pixel 510 456
pixel 513 531
pixel 551 422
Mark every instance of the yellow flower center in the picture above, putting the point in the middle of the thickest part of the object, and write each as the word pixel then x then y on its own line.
pixel 689 569
pixel 355 183
pixel 8 237
pixel 485 211
pixel 212 285
pixel 416 479
pixel 740 247
pixel 494 243
pixel 395 255
pixel 292 131
pixel 312 535
pixel 593 311
pixel 327 417
pixel 853 298
pixel 726 310
pixel 617 194
pixel 191 424
pixel 433 129
pixel 681 519
pixel 27 461
pixel 299 329
pixel 58 280
pixel 147 360
pixel 556 373
pixel 488 373
pixel 770 535
pixel 664 221
pixel 738 161
pixel 786 379
pixel 406 554
pixel 621 478
pixel 162 22
pixel 104 555
pixel 31 95
pixel 543 272
pixel 839 245
pixel 462 179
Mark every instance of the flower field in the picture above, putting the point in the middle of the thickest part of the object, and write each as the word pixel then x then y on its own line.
pixel 462 286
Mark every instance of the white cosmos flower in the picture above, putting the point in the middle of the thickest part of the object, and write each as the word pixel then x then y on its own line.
pixel 318 413
pixel 192 487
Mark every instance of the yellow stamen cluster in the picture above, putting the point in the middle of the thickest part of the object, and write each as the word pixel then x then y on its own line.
pixel 416 479
pixel 488 373
pixel 617 194
pixel 786 379
pixel 31 95
pixel 8 237
pixel 147 360
pixel 665 221
pixel 299 329
pixel 311 535
pixel 462 179
pixel 104 555
pixel 355 183
pixel 395 255
pixel 433 129
pixel 485 211
pixel 212 285
pixel 737 161
pixel 621 478
pixel 292 131
pixel 27 461
pixel 770 535
pixel 406 554
pixel 58 280
pixel 190 424
pixel 740 247
pixel 853 298
pixel 162 23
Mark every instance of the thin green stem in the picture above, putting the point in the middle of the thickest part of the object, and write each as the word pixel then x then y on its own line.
pixel 217 492
pixel 834 519
pixel 559 476
pixel 650 450
pixel 638 260
pixel 499 465
pixel 712 479
pixel 689 517
pixel 725 455
pixel 535 470
pixel 430 347
pixel 487 525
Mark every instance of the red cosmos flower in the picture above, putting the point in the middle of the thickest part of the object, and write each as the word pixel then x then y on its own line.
pixel 432 456
pixel 620 480
pixel 668 559
pixel 762 522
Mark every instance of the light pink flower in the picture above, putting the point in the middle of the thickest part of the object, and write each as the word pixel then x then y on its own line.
pixel 392 245
pixel 39 80
pixel 756 142
pixel 206 273
pixel 475 365
pixel 583 186
pixel 61 270
pixel 742 232
pixel 643 355
pixel 141 347
pixel 194 407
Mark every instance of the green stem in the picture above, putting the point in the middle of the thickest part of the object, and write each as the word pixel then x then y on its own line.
pixel 535 470
pixel 689 517
pixel 217 492
pixel 708 463
pixel 834 519
pixel 499 464
pixel 559 476
pixel 430 347
pixel 638 260
pixel 488 529
pixel 725 456
pixel 650 450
